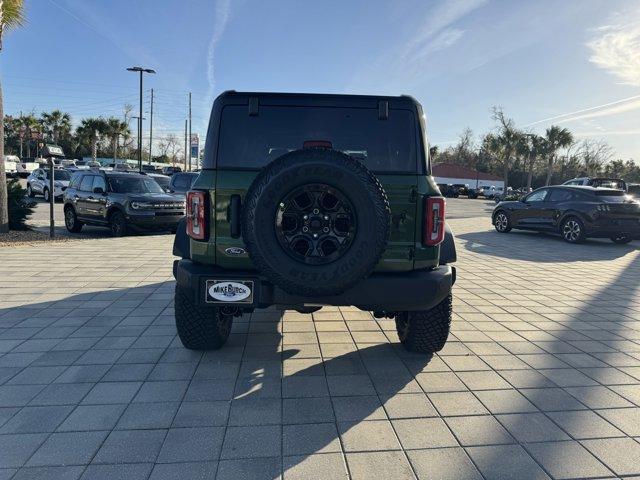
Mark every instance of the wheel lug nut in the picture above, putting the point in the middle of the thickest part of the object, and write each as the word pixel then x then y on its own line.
pixel 316 211
pixel 305 229
pixel 326 217
pixel 325 229
pixel 315 235
pixel 306 217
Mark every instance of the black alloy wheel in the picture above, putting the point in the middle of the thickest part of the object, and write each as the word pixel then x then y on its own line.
pixel 501 222
pixel 621 239
pixel 118 224
pixel 572 230
pixel 315 224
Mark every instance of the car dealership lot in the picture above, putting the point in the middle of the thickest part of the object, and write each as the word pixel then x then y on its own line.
pixel 540 378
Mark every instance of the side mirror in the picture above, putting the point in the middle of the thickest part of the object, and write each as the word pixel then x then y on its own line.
pixel 98 190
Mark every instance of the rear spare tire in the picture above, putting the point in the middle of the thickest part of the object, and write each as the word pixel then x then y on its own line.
pixel 315 222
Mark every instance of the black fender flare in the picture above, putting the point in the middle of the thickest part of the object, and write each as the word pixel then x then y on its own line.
pixel 448 247
pixel 181 244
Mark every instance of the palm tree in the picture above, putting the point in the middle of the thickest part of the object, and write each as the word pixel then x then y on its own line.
pixel 92 129
pixel 115 129
pixel 556 138
pixel 30 125
pixel 56 124
pixel 10 17
pixel 535 147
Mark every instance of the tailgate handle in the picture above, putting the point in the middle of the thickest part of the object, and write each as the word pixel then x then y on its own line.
pixel 234 215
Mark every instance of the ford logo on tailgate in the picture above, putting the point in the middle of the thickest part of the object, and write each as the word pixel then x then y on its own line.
pixel 229 291
pixel 234 251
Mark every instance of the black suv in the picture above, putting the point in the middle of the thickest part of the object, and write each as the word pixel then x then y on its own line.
pixel 120 201
pixel 181 182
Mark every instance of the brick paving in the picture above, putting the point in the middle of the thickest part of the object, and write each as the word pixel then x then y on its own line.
pixel 540 378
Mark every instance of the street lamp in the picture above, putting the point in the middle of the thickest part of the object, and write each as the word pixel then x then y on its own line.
pixel 142 71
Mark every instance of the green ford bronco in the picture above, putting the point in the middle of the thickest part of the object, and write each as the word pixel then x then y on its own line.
pixel 310 200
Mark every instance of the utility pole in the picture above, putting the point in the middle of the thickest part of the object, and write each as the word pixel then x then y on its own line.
pixel 189 131
pixel 141 71
pixel 151 130
pixel 185 144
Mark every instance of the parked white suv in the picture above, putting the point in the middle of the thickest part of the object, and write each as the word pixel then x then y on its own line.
pixel 26 165
pixel 38 183
pixel 11 165
pixel 488 191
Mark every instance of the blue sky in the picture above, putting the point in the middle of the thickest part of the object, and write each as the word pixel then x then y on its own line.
pixel 571 62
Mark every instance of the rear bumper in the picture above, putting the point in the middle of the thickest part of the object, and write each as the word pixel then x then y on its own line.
pixel 415 290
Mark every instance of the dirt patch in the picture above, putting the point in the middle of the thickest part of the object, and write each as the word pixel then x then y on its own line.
pixel 17 238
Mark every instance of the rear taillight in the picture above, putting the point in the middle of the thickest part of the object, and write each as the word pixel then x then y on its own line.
pixel 196 214
pixel 433 233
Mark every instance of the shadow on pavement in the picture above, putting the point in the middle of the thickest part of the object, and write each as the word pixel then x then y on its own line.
pixel 523 245
pixel 358 380
pixel 576 394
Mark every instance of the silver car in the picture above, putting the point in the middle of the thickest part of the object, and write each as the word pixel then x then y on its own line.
pixel 38 183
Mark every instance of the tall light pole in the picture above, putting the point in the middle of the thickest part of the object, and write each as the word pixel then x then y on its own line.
pixel 139 121
pixel 151 131
pixel 142 71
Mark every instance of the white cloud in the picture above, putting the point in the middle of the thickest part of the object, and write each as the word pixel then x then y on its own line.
pixel 616 47
pixel 436 32
pixel 605 110
pixel 223 12
pixel 600 133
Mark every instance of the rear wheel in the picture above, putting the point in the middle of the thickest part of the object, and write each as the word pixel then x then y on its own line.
pixel 572 230
pixel 425 331
pixel 71 220
pixel 118 224
pixel 200 327
pixel 621 239
pixel 45 194
pixel 30 193
pixel 501 222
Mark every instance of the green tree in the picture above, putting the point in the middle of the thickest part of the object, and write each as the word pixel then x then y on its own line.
pixel 509 137
pixel 116 128
pixel 535 148
pixel 92 130
pixel 556 139
pixel 56 125
pixel 11 16
pixel 31 127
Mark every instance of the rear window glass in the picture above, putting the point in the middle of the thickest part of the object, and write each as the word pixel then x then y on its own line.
pixel 608 183
pixel 254 141
pixel 559 195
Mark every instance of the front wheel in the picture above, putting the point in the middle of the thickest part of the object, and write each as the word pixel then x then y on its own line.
pixel 501 222
pixel 200 327
pixel 572 230
pixel 118 224
pixel 30 193
pixel 621 239
pixel 425 331
pixel 71 220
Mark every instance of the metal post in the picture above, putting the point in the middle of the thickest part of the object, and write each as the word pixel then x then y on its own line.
pixel 151 130
pixel 52 200
pixel 140 129
pixel 189 144
pixel 185 145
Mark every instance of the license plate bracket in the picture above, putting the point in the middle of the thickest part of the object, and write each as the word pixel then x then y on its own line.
pixel 229 292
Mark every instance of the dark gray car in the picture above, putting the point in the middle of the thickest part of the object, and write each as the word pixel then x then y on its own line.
pixel 121 202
